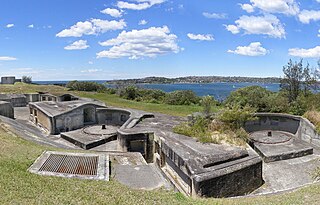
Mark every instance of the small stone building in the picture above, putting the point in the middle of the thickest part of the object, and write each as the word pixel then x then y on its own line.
pixel 8 80
pixel 56 117
pixel 6 109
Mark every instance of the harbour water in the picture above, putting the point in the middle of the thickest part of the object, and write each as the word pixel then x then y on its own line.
pixel 219 90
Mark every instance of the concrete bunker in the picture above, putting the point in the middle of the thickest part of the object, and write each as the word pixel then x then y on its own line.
pixel 281 136
pixel 57 117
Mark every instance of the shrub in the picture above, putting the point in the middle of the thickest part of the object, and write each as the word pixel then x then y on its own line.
pixel 182 97
pixel 278 103
pixel 85 86
pixel 236 116
pixel 253 96
pixel 214 131
pixel 207 102
pixel 198 129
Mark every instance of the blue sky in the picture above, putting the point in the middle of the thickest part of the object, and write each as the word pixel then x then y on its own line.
pixel 110 39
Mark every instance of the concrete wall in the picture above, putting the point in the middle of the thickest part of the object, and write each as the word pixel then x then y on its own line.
pixel 40 119
pixel 33 97
pixel 19 101
pixel 8 80
pixel 274 121
pixel 143 143
pixel 299 126
pixel 6 109
pixel 73 120
pixel 112 116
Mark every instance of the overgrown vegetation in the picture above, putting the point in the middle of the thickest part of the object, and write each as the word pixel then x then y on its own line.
pixel 225 127
pixel 85 86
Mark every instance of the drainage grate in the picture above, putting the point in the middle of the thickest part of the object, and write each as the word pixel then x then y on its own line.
pixel 80 165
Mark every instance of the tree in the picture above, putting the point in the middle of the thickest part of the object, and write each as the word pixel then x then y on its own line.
pixel 296 79
pixel 26 79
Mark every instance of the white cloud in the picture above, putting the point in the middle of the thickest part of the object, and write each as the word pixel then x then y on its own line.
pixel 247 7
pixel 10 25
pixel 92 27
pixel 233 29
pixel 143 22
pixel 137 44
pixel 288 7
pixel 77 45
pixel 215 15
pixel 112 12
pixel 254 49
pixel 91 71
pixel 307 15
pixel 7 58
pixel 31 26
pixel 305 53
pixel 139 4
pixel 268 25
pixel 201 37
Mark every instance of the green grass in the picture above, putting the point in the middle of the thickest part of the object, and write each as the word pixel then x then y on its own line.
pixel 114 100
pixel 18 186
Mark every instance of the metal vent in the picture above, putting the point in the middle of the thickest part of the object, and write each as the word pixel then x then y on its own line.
pixel 80 165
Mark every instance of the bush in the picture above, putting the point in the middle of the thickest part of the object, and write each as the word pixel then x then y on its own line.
pixel 198 129
pixel 278 103
pixel 236 116
pixel 26 79
pixel 207 102
pixel 215 131
pixel 253 96
pixel 86 86
pixel 182 97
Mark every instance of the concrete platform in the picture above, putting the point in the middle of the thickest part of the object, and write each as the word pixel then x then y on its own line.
pixel 91 137
pixel 145 177
pixel 286 175
pixel 279 146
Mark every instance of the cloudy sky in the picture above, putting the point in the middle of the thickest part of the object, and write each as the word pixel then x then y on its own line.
pixel 114 39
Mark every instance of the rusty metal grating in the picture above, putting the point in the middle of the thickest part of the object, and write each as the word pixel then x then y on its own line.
pixel 72 165
pixel 79 165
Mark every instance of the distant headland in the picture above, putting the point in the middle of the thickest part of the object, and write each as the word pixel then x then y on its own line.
pixel 196 79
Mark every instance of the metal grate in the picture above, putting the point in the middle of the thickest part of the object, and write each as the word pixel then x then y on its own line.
pixel 69 164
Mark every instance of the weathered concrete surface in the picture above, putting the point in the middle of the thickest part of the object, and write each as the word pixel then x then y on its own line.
pixel 90 137
pixel 144 177
pixel 288 174
pixel 279 146
pixel 196 168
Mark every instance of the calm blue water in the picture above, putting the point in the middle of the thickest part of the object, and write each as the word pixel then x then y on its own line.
pixel 219 90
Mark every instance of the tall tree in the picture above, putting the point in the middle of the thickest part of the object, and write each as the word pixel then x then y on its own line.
pixel 296 79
